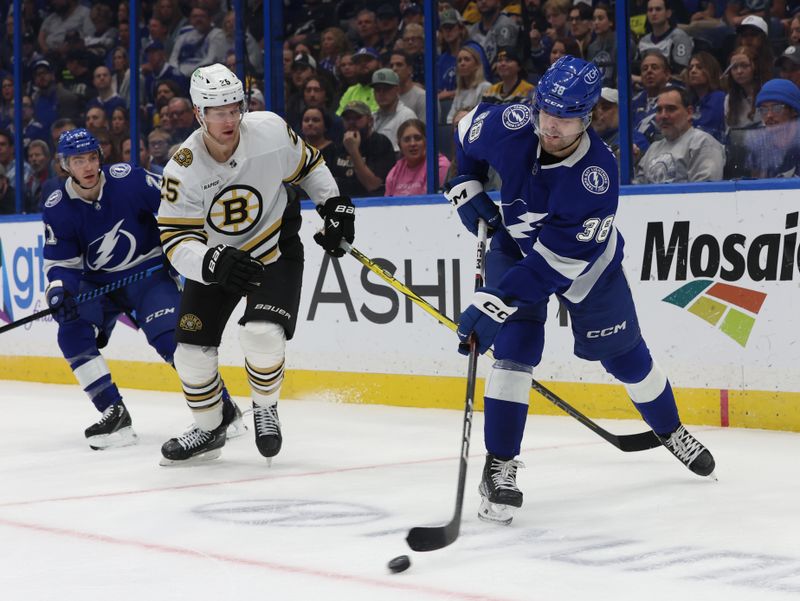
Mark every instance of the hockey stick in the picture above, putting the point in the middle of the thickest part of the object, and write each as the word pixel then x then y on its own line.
pixel 426 538
pixel 87 296
pixel 624 442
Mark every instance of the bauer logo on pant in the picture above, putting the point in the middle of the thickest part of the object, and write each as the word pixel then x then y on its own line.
pixel 190 323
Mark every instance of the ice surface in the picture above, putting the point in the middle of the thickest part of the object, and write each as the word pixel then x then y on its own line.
pixel 351 480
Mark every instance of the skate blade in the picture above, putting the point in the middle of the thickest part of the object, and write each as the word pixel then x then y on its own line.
pixel 124 437
pixel 236 429
pixel 495 513
pixel 194 460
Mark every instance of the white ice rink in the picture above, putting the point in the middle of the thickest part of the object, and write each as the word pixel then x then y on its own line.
pixel 321 524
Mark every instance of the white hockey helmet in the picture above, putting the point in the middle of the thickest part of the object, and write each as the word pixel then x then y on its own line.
pixel 215 85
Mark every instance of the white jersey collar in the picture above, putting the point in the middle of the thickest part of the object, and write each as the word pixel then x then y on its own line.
pixel 571 160
pixel 74 192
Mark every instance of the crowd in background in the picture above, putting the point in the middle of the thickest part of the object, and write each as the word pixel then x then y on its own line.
pixel 716 82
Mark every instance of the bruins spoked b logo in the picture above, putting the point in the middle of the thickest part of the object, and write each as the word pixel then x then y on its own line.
pixel 235 210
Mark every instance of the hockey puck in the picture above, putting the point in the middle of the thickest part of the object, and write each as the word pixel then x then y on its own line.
pixel 399 564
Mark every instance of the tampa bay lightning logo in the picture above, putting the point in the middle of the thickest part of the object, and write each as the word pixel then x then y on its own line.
pixel 119 170
pixel 113 250
pixel 595 179
pixel 516 116
pixel 521 224
pixel 53 199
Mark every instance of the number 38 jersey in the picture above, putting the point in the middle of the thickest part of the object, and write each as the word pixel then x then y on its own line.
pixel 240 202
pixel 558 217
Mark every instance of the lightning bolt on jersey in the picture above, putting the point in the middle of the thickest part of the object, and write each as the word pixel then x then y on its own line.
pixel 106 239
pixel 558 216
pixel 240 202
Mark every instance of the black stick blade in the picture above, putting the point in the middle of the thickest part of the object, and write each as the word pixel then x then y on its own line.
pixel 631 443
pixel 424 538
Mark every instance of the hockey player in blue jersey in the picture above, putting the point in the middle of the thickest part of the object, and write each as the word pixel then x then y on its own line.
pixel 100 226
pixel 553 234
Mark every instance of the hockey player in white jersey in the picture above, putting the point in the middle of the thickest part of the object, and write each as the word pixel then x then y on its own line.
pixel 229 227
pixel 554 234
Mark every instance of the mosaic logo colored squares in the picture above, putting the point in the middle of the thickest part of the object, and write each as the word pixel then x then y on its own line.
pixel 731 309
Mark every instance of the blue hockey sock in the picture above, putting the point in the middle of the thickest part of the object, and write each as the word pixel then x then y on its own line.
pixel 503 427
pixel 661 414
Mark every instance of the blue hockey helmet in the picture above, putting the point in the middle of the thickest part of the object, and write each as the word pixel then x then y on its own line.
pixel 569 88
pixel 77 141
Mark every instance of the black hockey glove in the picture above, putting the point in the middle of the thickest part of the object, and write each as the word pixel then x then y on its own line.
pixel 339 215
pixel 233 269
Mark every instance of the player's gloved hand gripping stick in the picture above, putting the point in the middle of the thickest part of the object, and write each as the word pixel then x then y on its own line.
pixel 80 298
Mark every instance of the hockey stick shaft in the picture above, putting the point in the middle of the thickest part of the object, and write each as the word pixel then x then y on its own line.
pixel 87 296
pixel 431 538
pixel 625 442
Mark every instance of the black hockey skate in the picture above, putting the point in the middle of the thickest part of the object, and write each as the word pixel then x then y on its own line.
pixel 237 427
pixel 498 489
pixel 113 429
pixel 197 445
pixel 268 430
pixel 690 452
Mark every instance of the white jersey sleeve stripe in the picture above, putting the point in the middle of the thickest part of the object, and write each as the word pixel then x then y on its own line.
pixel 584 283
pixel 465 124
pixel 567 267
pixel 73 263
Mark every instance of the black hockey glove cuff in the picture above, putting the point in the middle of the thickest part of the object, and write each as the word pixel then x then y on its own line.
pixel 232 268
pixel 339 216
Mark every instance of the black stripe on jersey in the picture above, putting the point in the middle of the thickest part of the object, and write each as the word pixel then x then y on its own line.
pixel 171 244
pixel 311 159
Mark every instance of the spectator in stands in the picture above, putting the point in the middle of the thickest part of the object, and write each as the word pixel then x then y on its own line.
pixel 121 75
pixel 673 43
pixel 79 79
pixel 165 120
pixel 182 118
pixel 581 26
pixel 411 93
pixel 7 159
pixel 314 129
pixel 7 101
pixel 333 44
pixel 414 47
pixel 304 67
pixel 562 47
pixel 366 60
pixel 655 77
pixel 788 64
pixel 452 34
pixel 119 126
pixel 256 101
pixel 7 196
pixel 557 15
pixel 603 49
pixel 774 150
pixel 144 156
pixel 105 34
pixel 50 99
pixel 708 100
pixel 156 69
pixel 158 143
pixel 111 154
pixel 367 32
pixel 391 111
pixel 157 32
pixel 412 15
pixel 605 118
pixel 409 176
pixel 365 158
pixel 471 81
pixel 512 87
pixel 66 16
pixel 303 21
pixel 685 154
pixel 41 171
pixel 252 49
pixel 316 94
pixel 31 129
pixel 96 118
pixel 388 16
pixel 169 13
pixel 794 30
pixel 201 45
pixel 744 82
pixel 107 99
pixel 346 72
pixel 494 30
pixel 752 31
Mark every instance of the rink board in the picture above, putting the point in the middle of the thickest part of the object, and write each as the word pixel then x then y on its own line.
pixel 716 277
